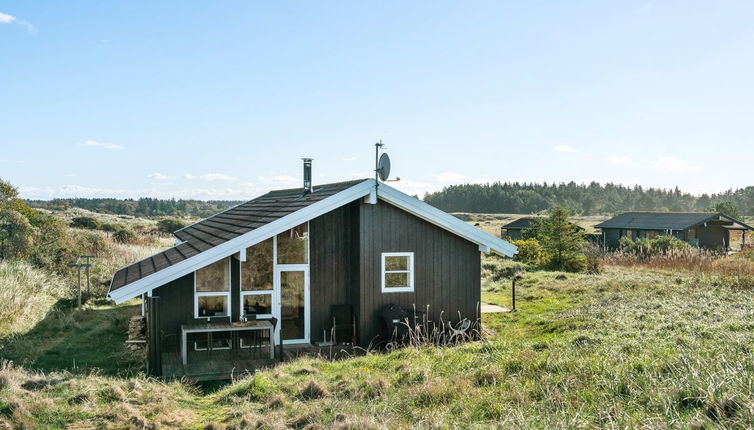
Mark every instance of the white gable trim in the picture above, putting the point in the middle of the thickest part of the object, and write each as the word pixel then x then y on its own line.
pixel 244 241
pixel 486 242
pixel 446 221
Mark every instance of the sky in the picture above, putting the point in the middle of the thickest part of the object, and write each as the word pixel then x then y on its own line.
pixel 221 100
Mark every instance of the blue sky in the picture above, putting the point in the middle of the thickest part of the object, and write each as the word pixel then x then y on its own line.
pixel 220 100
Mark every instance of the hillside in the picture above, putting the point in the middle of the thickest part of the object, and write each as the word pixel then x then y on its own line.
pixel 631 347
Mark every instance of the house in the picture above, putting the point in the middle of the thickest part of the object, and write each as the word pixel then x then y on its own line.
pixel 710 230
pixel 515 230
pixel 291 256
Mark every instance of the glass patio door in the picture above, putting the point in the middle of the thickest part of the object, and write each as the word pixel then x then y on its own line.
pixel 292 288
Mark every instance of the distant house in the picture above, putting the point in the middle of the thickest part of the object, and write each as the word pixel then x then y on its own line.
pixel 291 265
pixel 710 230
pixel 515 230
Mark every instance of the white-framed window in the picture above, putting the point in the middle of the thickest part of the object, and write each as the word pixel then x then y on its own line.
pixel 397 272
pixel 212 290
pixel 257 280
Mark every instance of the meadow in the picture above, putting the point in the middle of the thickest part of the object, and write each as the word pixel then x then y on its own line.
pixel 639 345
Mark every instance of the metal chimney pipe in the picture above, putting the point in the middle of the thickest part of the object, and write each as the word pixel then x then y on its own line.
pixel 308 175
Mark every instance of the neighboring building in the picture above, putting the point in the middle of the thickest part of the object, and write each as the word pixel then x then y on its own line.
pixel 293 255
pixel 710 230
pixel 515 230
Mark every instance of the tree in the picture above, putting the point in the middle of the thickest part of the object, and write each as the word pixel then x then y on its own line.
pixel 86 222
pixel 728 208
pixel 169 225
pixel 562 243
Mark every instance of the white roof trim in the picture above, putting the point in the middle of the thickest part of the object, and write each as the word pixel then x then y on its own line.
pixel 414 206
pixel 445 220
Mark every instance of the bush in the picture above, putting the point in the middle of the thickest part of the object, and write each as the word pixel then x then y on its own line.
pixel 169 225
pixel 659 245
pixel 86 222
pixel 125 236
pixel 529 251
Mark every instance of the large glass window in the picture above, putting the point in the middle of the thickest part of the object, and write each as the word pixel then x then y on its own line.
pixel 256 271
pixel 397 272
pixel 293 245
pixel 212 290
pixel 256 280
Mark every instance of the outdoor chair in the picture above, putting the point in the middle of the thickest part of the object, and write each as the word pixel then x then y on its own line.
pixel 343 324
pixel 458 331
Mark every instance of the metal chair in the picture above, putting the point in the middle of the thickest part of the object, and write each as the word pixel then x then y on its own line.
pixel 343 324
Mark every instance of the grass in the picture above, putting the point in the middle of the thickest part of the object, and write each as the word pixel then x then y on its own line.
pixel 629 348
pixel 26 295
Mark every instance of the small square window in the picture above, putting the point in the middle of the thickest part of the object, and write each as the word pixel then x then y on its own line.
pixel 258 304
pixel 212 306
pixel 397 272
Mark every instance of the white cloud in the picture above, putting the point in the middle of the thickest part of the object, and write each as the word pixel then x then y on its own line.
pixel 618 159
pixel 350 159
pixel 211 177
pixel 415 188
pixel 103 145
pixel 158 176
pixel 450 177
pixel 241 192
pixel 563 148
pixel 673 164
pixel 277 180
pixel 10 19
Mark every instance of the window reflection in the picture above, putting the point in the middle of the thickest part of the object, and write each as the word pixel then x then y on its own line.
pixel 293 245
pixel 256 271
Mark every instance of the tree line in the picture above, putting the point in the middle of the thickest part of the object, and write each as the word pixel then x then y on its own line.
pixel 143 207
pixel 583 199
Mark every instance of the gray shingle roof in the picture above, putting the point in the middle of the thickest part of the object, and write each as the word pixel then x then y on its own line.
pixel 227 225
pixel 662 220
pixel 526 223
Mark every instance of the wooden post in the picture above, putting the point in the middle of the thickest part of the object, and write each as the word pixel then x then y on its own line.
pixel 78 266
pixel 513 294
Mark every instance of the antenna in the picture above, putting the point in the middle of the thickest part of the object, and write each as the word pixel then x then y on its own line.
pixel 381 165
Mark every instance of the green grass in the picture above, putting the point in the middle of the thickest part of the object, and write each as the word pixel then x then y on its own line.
pixel 628 348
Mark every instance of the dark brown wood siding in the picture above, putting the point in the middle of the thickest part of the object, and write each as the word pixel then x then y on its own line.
pixel 331 267
pixel 446 268
pixel 176 304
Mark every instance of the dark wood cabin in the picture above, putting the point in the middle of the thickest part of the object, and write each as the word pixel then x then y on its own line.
pixel 707 230
pixel 515 230
pixel 295 257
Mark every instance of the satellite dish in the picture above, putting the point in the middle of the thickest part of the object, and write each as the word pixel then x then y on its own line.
pixel 383 167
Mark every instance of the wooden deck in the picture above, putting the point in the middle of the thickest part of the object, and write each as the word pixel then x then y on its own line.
pixel 229 364
pixel 217 365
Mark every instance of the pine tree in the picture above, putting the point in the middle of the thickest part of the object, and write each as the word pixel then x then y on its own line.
pixel 561 241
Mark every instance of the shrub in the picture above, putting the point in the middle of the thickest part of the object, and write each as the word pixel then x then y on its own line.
pixel 125 236
pixel 647 248
pixel 529 251
pixel 169 225
pixel 86 222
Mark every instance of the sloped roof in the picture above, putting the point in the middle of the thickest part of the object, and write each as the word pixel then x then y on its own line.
pixel 526 223
pixel 665 220
pixel 226 225
pixel 249 223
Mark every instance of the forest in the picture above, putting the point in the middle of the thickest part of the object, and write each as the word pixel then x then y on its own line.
pixel 582 199
pixel 142 207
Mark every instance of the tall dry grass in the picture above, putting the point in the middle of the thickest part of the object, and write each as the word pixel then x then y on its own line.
pixel 694 260
pixel 26 295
